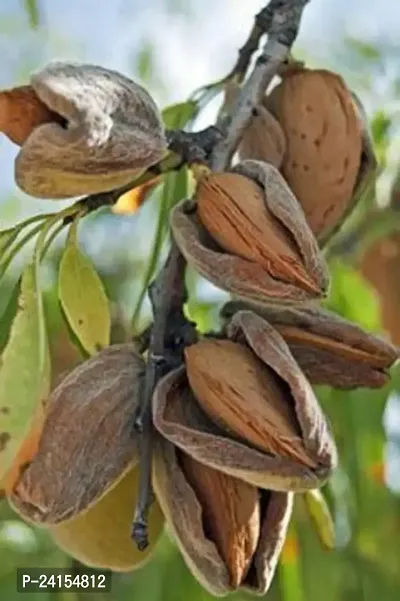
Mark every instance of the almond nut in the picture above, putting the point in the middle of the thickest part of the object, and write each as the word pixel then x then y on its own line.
pixel 231 512
pixel 245 396
pixel 324 144
pixel 232 209
pixel 263 139
pixel 21 111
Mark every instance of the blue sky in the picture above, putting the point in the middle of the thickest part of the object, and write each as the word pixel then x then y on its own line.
pixel 193 46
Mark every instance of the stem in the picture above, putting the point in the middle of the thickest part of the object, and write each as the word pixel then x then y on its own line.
pixel 262 23
pixel 7 258
pixel 184 147
pixel 51 238
pixel 167 295
pixel 283 19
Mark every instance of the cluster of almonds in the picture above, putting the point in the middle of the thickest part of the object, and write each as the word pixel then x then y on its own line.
pixel 238 427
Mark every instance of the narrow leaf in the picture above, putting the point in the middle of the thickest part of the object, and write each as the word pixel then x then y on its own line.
pixel 8 315
pixel 177 115
pixel 320 515
pixel 24 370
pixel 175 187
pixel 31 7
pixel 83 299
pixel 7 237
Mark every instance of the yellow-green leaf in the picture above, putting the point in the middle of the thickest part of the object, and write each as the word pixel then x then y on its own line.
pixel 24 370
pixel 320 515
pixel 83 299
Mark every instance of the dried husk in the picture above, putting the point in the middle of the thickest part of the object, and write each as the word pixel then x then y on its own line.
pixel 329 157
pixel 185 517
pixel 179 418
pixel 113 131
pixel 88 439
pixel 329 349
pixel 101 536
pixel 263 139
pixel 260 282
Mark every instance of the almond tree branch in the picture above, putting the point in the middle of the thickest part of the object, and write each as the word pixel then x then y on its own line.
pixel 169 334
pixel 262 24
pixel 283 17
pixel 184 147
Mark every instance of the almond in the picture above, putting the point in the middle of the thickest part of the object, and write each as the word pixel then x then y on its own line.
pixel 263 139
pixel 21 111
pixel 233 210
pixel 328 348
pixel 231 514
pixel 246 397
pixel 87 440
pixel 324 144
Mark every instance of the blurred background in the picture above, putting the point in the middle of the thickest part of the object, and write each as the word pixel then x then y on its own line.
pixel 174 47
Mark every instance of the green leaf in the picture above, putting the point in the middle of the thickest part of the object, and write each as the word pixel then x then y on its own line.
pixel 145 61
pixel 8 315
pixel 7 237
pixel 83 299
pixel 320 515
pixel 177 115
pixel 31 8
pixel 364 50
pixel 380 127
pixel 24 372
pixel 352 296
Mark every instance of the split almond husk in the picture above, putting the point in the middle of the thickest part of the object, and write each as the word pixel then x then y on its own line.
pixel 328 155
pixel 87 442
pixel 242 425
pixel 250 237
pixel 111 131
pixel 329 349
pixel 230 534
pixel 231 510
pixel 21 111
pixel 264 139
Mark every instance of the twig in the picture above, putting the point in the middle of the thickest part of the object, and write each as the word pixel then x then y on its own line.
pixel 285 18
pixel 170 333
pixel 184 147
pixel 262 23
